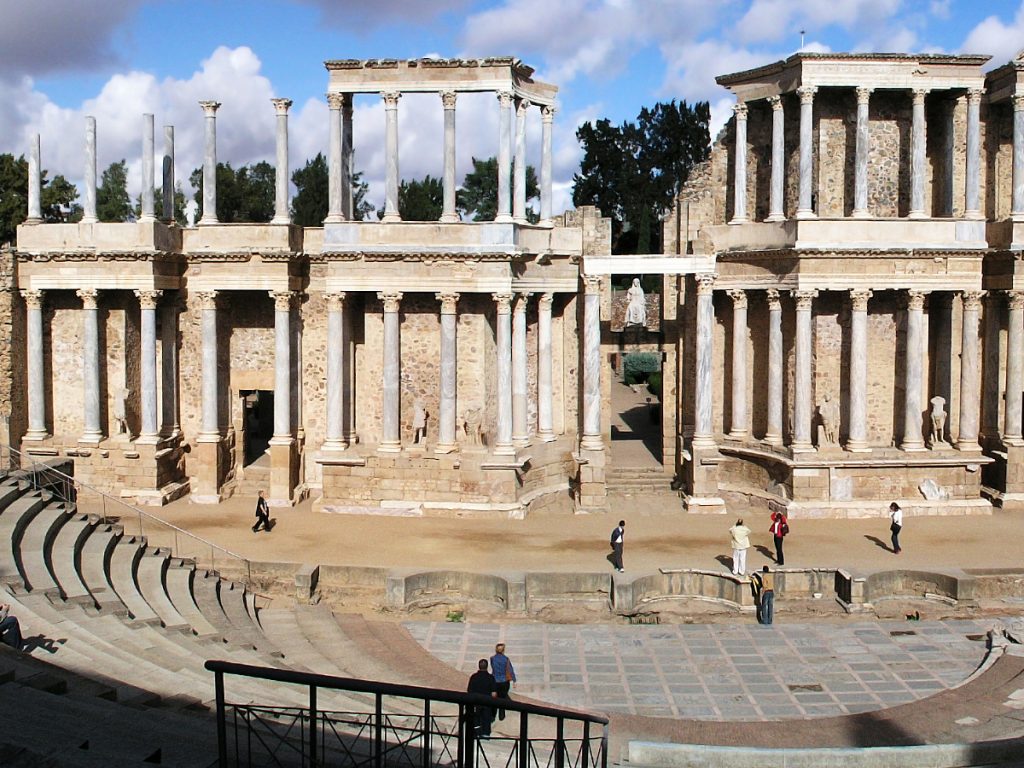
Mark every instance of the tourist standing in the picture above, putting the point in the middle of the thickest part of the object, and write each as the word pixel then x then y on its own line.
pixel 779 529
pixel 740 536
pixel 618 534
pixel 896 515
pixel 262 514
pixel 504 674
pixel 764 593
pixel 482 682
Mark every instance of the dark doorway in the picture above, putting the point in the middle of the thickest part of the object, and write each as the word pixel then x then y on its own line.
pixel 636 407
pixel 259 424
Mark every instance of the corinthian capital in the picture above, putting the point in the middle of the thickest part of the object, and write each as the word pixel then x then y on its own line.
pixel 972 300
pixel 774 300
pixel 335 100
pixel 739 298
pixel 915 300
pixel 859 299
pixel 1015 299
pixel 89 297
pixel 391 99
pixel 448 302
pixel 805 300
pixel 207 299
pixel 740 110
pixel 391 300
pixel 33 298
pixel 448 99
pixel 503 302
pixel 210 107
pixel 705 284
pixel 335 301
pixel 806 93
pixel 282 300
pixel 281 105
pixel 148 299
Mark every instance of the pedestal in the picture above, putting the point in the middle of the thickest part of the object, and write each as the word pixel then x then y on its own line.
pixel 208 473
pixel 283 472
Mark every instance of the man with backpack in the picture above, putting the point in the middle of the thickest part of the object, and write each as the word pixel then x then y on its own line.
pixel 618 534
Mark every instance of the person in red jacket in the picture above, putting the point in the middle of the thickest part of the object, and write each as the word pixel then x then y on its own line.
pixel 779 529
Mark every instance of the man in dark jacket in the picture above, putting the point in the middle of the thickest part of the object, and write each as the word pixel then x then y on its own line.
pixel 482 682
pixel 262 514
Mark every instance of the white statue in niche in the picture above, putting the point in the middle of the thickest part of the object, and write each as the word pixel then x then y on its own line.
pixel 119 397
pixel 938 416
pixel 419 422
pixel 636 310
pixel 191 209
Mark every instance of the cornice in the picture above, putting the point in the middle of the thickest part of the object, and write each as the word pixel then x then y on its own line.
pixel 90 255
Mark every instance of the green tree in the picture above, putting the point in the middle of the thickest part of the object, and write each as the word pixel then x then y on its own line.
pixel 158 204
pixel 243 195
pixel 479 193
pixel 112 200
pixel 634 171
pixel 57 197
pixel 361 207
pixel 421 200
pixel 310 204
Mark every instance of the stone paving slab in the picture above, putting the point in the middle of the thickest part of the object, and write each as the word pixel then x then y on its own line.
pixel 721 671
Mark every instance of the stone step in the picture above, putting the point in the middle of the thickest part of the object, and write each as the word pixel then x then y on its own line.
pixel 149 575
pixel 13 521
pixel 121 573
pixel 233 602
pixel 178 580
pixel 281 627
pixel 35 544
pixel 94 566
pixel 64 553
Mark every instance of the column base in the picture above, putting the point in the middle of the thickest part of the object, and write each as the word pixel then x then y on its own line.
pixel 592 443
pixel 806 213
pixel 333 445
pixel 503 218
pixel 281 220
pixel 335 218
pixel 968 446
pixel 802 448
pixel 150 439
pixel 1012 441
pixel 35 436
pixel 446 448
pixel 520 442
pixel 548 223
pixel 917 215
pixel 504 449
pixel 449 218
pixel 33 220
pixel 547 436
pixel 913 446
pixel 736 220
pixel 146 219
pixel 206 221
pixel 1017 217
pixel 773 441
pixel 738 434
pixel 91 438
pixel 860 214
pixel 857 446
pixel 390 218
pixel 389 447
pixel 775 217
pixel 703 442
pixel 975 215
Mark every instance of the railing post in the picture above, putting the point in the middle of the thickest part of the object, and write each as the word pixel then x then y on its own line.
pixel 378 732
pixel 314 719
pixel 604 746
pixel 469 740
pixel 524 741
pixel 460 758
pixel 426 734
pixel 222 732
pixel 586 743
pixel 560 743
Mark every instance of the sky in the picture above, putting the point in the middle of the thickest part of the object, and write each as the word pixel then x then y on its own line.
pixel 61 60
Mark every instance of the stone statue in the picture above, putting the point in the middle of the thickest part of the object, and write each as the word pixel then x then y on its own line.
pixel 938 415
pixel 828 409
pixel 419 422
pixel 191 209
pixel 636 310
pixel 473 426
pixel 119 396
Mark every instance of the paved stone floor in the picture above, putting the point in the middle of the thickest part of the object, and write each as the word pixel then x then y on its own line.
pixel 722 671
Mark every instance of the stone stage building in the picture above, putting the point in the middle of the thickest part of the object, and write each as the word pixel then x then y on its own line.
pixel 840 322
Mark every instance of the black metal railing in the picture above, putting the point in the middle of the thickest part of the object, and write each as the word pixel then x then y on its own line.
pixel 401 726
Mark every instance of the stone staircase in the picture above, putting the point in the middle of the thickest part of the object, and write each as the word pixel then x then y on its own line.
pixel 639 481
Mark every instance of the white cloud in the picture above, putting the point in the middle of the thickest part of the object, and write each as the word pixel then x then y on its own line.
pixel 343 13
pixel 1003 41
pixel 774 20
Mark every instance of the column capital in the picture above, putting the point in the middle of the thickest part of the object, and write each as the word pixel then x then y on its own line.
pixel 545 300
pixel 859 299
pixel 591 284
pixel 504 302
pixel 776 103
pixel 739 298
pixel 974 95
pixel 391 99
pixel 210 108
pixel 864 94
pixel 774 299
pixel 804 299
pixel 505 98
pixel 448 302
pixel 335 100
pixel 972 299
pixel 522 298
pixel 522 105
pixel 919 94
pixel 740 110
pixel 33 298
pixel 282 300
pixel 89 297
pixel 1015 299
pixel 335 301
pixel 547 113
pixel 1018 102
pixel 391 299
pixel 281 106
pixel 705 283
pixel 207 299
pixel 448 99
pixel 148 299
pixel 806 93
pixel 915 299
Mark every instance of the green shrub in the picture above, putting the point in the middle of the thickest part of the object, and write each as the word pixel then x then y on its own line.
pixel 654 384
pixel 638 365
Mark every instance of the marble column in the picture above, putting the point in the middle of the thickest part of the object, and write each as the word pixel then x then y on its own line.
pixel 740 426
pixel 777 196
pixel 147 204
pixel 210 163
pixel 448 213
pixel 918 146
pixel 545 424
pixel 347 159
pixel 802 381
pixel 167 168
pixel 334 160
pixel 391 414
pixel 805 209
pixel 36 365
pixel 970 365
pixel 1014 369
pixel 972 207
pixel 282 364
pixel 335 438
pixel 150 431
pixel 592 439
pixel 169 369
pixel 703 434
pixel 773 432
pixel 519 175
pixel 449 373
pixel 93 431
pixel 504 210
pixel 35 211
pixel 281 175
pixel 89 196
pixel 391 156
pixel 913 411
pixel 857 441
pixel 547 116
pixel 739 185
pixel 863 149
pixel 503 339
pixel 1017 211
pixel 210 427
pixel 520 428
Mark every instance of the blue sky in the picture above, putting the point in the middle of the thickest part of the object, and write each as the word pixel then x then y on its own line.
pixel 63 59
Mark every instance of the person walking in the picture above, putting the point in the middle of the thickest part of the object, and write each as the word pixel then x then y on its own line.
pixel 740 536
pixel 896 515
pixel 618 534
pixel 764 593
pixel 262 514
pixel 779 529
pixel 482 682
pixel 504 674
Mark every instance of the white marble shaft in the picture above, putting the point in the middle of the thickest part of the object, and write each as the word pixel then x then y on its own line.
pixel 545 424
pixel 36 365
pixel 391 437
pixel 858 387
pixel 802 382
pixel 448 213
pixel 169 369
pixel 918 145
pixel 914 373
pixel 446 425
pixel 281 214
pixel 1014 368
pixel 391 156
pixel 739 187
pixel 503 334
pixel 282 363
pixel 210 162
pixel 547 116
pixel 972 207
pixel 148 202
pixel 520 428
pixel 35 210
pixel 740 427
pixel 334 160
pixel 777 200
pixel 211 420
pixel 504 210
pixel 519 175
pixel 147 367
pixel 863 148
pixel 773 432
pixel 89 198
pixel 591 439
pixel 347 159
pixel 970 364
pixel 702 431
pixel 805 208
pixel 1018 158
pixel 167 173
pixel 92 432
pixel 334 437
